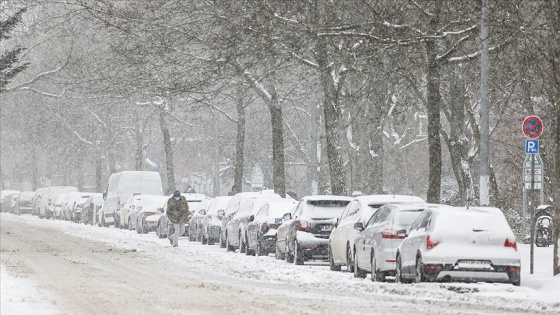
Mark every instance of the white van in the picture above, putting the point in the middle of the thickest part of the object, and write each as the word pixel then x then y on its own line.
pixel 123 185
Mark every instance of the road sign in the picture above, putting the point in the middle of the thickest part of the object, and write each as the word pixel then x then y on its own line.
pixel 527 172
pixel 531 146
pixel 257 178
pixel 532 127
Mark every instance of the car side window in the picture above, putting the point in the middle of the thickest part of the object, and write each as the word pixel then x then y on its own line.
pixel 263 211
pixel 373 218
pixel 417 222
pixel 383 216
pixel 344 214
pixel 354 210
pixel 299 209
pixel 426 221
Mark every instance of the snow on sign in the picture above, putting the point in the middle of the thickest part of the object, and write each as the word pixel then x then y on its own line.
pixel 257 178
pixel 532 127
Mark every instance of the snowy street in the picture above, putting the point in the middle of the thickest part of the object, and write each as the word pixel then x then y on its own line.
pixel 58 267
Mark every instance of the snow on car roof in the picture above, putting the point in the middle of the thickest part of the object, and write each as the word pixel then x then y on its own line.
pixel 375 200
pixel 327 197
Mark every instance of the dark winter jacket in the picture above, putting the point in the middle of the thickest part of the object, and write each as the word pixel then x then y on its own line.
pixel 178 210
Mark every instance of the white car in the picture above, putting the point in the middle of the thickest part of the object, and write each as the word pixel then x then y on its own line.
pixel 358 210
pixel 376 246
pixel 459 244
pixel 148 205
pixel 124 214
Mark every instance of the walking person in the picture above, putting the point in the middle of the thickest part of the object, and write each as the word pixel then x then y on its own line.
pixel 178 214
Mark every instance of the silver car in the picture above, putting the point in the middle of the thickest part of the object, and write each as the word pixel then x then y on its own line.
pixel 459 244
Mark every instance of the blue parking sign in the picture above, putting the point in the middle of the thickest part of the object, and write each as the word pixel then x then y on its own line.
pixel 531 146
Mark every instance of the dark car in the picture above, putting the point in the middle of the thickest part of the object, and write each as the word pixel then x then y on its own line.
pixel 307 232
pixel 261 231
pixel 25 202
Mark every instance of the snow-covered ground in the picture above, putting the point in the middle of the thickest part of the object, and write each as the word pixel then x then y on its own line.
pixel 538 291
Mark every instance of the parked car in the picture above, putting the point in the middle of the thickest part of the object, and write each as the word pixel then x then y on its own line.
pixel 236 228
pixel 212 223
pixel 5 199
pixel 148 205
pixel 233 207
pixel 76 215
pixel 358 210
pixel 195 222
pixel 376 246
pixel 13 201
pixel 48 198
pixel 25 202
pixel 56 208
pixel 261 229
pixel 121 186
pixel 36 200
pixel 128 207
pixel 69 204
pixel 90 208
pixel 139 201
pixel 281 246
pixel 307 235
pixel 459 244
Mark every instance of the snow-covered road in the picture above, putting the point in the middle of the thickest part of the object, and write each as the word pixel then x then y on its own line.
pixel 215 281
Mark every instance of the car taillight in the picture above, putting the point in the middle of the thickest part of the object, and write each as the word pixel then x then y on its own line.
pixel 512 244
pixel 429 243
pixel 303 225
pixel 150 213
pixel 50 201
pixel 118 204
pixel 391 234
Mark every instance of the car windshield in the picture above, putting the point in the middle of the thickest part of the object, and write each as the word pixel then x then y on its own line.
pixel 325 208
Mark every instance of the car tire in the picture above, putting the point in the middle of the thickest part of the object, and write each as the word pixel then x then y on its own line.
pixel 398 275
pixel 298 254
pixel 279 255
pixel 138 228
pixel 349 262
pixel 358 273
pixel 129 224
pixel 203 240
pixel 418 271
pixel 248 251
pixel 229 248
pixel 289 256
pixel 241 244
pixel 158 231
pixel 332 265
pixel 260 250
pixel 222 242
pixel 376 275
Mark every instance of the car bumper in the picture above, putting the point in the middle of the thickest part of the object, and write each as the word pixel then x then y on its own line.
pixel 449 272
pixel 313 247
pixel 214 232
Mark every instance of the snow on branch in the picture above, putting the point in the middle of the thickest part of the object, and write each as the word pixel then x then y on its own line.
pixel 452 49
pixel 294 135
pixel 413 142
pixel 82 139
pixel 43 92
pixel 426 12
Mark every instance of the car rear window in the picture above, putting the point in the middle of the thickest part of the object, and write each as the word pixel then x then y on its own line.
pixel 407 217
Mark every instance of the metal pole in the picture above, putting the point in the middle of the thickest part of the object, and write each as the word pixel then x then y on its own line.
pixel 532 211
pixel 216 186
pixel 484 116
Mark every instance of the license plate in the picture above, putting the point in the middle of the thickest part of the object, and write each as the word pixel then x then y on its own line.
pixel 326 228
pixel 474 264
pixel 278 221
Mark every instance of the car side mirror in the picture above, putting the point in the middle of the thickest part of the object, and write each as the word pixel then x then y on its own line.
pixel 336 223
pixel 250 218
pixel 202 212
pixel 221 212
pixel 160 209
pixel 104 195
pixel 359 226
pixel 287 216
pixel 402 233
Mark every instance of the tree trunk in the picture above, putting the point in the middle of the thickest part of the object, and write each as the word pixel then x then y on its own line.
pixel 278 150
pixel 434 123
pixel 240 144
pixel 168 149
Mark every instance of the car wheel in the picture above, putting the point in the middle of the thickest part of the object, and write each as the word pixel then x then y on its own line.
pixel 298 254
pixel 241 244
pixel 376 275
pixel 358 273
pixel 278 254
pixel 204 240
pixel 248 251
pixel 138 228
pixel 289 256
pixel 222 242
pixel 129 224
pixel 157 231
pixel 229 248
pixel 260 250
pixel 144 227
pixel 398 275
pixel 332 265
pixel 419 272
pixel 349 263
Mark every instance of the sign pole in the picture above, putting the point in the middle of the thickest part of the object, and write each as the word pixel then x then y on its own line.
pixel 532 212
